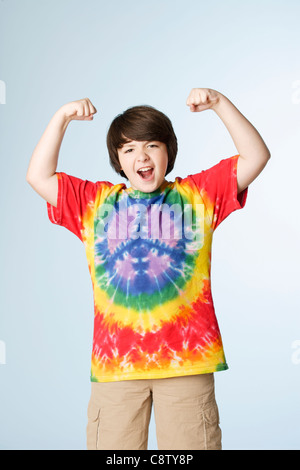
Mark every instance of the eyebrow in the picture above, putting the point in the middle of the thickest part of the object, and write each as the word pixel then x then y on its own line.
pixel 131 144
pixel 128 143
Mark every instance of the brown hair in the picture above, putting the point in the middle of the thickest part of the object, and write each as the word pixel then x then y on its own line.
pixel 141 123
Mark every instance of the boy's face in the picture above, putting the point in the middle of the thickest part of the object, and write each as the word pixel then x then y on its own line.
pixel 135 155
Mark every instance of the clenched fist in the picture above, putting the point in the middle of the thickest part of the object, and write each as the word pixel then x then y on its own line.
pixel 200 99
pixel 82 110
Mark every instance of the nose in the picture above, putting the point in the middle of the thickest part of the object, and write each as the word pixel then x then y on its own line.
pixel 143 156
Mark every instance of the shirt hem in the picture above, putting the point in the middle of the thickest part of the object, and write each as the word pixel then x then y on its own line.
pixel 160 375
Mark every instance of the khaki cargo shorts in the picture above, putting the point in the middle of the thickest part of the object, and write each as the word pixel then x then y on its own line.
pixel 185 411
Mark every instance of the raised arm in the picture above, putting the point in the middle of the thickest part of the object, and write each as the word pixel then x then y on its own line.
pixel 253 152
pixel 41 173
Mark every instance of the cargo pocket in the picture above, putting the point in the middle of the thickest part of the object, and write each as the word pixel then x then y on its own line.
pixel 212 435
pixel 92 431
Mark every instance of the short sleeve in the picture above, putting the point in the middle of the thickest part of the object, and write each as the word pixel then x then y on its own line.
pixel 218 186
pixel 75 197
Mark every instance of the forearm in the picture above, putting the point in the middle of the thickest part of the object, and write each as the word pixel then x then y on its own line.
pixel 44 159
pixel 248 142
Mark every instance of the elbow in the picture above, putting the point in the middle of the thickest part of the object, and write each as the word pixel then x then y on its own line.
pixel 29 179
pixel 265 157
pixel 267 153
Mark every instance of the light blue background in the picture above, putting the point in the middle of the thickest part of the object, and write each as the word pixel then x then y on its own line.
pixel 120 54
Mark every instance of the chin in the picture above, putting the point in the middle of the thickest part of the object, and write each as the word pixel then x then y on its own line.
pixel 146 186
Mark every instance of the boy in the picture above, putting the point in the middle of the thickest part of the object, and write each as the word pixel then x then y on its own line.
pixel 148 247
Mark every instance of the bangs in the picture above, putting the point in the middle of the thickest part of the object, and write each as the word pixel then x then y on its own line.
pixel 140 127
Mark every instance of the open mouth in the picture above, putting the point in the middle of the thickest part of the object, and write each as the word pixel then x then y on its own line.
pixel 146 173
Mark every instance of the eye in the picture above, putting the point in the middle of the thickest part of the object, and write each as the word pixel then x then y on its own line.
pixel 130 150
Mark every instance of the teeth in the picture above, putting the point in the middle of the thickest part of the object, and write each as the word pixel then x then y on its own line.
pixel 145 169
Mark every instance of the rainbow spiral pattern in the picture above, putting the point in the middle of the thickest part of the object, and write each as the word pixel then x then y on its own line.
pixel 153 309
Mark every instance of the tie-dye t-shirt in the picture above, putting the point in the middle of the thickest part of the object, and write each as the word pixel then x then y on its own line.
pixel 149 257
